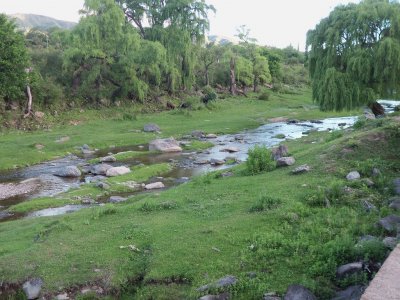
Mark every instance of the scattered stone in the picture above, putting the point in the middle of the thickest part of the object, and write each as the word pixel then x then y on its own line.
pixel 39 146
pixel 368 182
pixel 224 296
pixel 95 289
pixel 239 137
pixel 354 175
pixel 32 288
pixel 151 128
pixel 342 124
pixel 395 203
pixel 211 136
pixel 230 149
pixel 351 293
pixel 317 122
pixel 117 199
pixel 396 184
pixel 63 139
pixel 88 201
pixel 301 169
pixel 69 171
pixel 100 169
pixel 390 223
pixel 220 283
pixel 62 297
pixel 132 185
pixel 280 151
pixel 376 172
pixel 117 171
pixel 109 158
pixel 293 121
pixel 298 292
pixel 154 186
pixel 165 145
pixel 217 162
pixel 197 134
pixel 390 242
pixel 349 269
pixel 285 161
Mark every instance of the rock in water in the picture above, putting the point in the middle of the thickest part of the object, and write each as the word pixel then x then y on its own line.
pixel 70 171
pixel 100 169
pixel 109 158
pixel 117 199
pixel 377 109
pixel 117 171
pixel 151 128
pixel 298 292
pixel 165 145
pixel 32 288
pixel 285 161
pixel 155 185
pixel 354 175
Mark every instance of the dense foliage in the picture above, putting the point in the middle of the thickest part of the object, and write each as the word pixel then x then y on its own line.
pixel 354 54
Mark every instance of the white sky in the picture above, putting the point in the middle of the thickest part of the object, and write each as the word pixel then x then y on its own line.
pixel 272 22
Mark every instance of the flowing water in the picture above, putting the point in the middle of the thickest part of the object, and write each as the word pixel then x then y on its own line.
pixel 187 164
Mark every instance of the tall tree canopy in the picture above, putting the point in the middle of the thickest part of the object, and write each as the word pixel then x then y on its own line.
pixel 13 60
pixel 354 54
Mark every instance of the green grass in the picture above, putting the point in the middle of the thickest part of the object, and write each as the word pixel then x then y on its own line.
pixel 198 145
pixel 275 224
pixel 122 156
pixel 227 116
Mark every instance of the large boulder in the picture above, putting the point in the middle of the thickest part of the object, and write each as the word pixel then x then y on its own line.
pixel 285 161
pixel 117 171
pixel 165 145
pixel 151 128
pixel 280 151
pixel 395 203
pixel 353 292
pixel 219 284
pixel 298 292
pixel 32 288
pixel 100 169
pixel 390 223
pixel 154 186
pixel 69 171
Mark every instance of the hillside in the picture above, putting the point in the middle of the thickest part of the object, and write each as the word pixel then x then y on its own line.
pixel 27 21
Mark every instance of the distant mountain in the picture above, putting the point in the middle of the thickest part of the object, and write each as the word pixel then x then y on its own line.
pixel 29 21
pixel 222 40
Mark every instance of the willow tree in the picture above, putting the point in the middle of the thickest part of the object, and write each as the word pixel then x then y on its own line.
pixel 354 55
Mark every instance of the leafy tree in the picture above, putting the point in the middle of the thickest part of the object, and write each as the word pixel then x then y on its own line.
pixel 354 54
pixel 13 60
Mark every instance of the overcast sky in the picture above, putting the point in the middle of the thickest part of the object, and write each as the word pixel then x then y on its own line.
pixel 272 22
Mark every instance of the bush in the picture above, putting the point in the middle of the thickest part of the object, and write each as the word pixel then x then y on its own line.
pixel 264 96
pixel 265 203
pixel 209 94
pixel 260 160
pixel 360 123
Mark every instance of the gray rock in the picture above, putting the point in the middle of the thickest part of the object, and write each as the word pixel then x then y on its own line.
pixel 88 201
pixel 109 158
pixel 351 293
pixel 87 152
pixel 353 175
pixel 395 203
pixel 224 296
pixel 369 115
pixel 117 199
pixel 197 134
pixel 396 185
pixel 376 172
pixel 390 242
pixel 32 288
pixel 301 169
pixel 298 292
pixel 4 214
pixel 220 283
pixel 285 161
pixel 217 162
pixel 230 149
pixel 368 206
pixel 94 179
pixel 117 171
pixel 69 171
pixel 85 147
pixel 154 186
pixel 349 269
pixel 367 237
pixel 165 145
pixel 151 128
pixel 280 151
pixel 390 223
pixel 100 169
pixel 211 136
pixel 62 297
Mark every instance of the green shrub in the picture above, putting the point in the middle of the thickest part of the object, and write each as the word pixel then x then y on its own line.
pixel 260 160
pixel 371 250
pixel 264 96
pixel 209 94
pixel 360 123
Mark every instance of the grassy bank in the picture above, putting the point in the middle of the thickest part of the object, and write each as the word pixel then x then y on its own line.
pixel 166 245
pixel 122 126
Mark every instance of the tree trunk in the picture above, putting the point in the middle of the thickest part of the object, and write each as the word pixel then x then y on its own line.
pixel 255 84
pixel 232 77
pixel 28 110
pixel 207 78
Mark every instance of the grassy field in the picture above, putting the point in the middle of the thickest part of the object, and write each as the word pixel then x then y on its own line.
pixel 281 228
